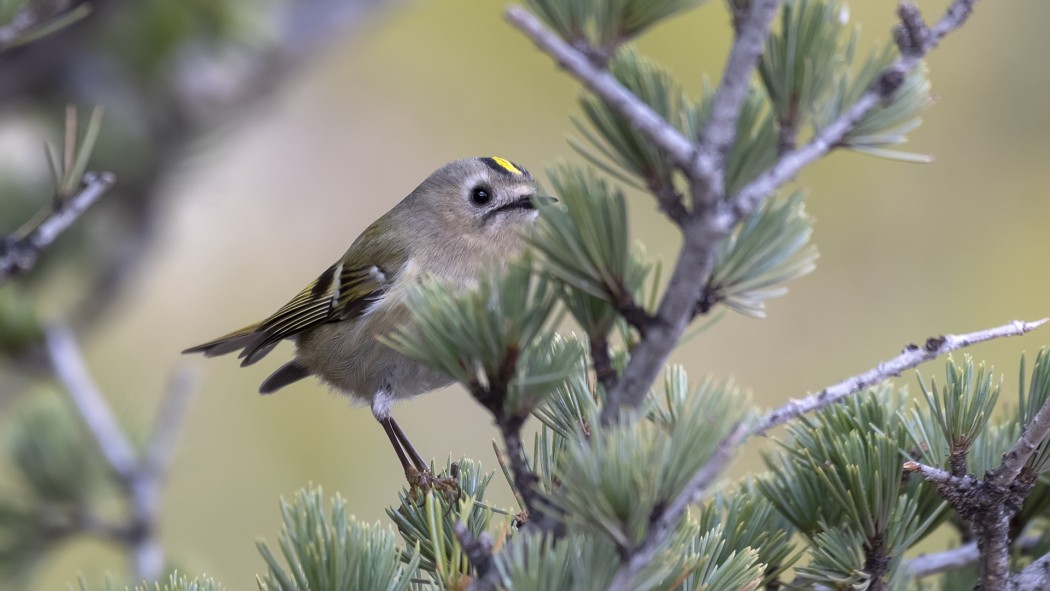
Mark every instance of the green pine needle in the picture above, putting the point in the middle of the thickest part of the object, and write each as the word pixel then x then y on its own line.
pixel 571 409
pixel 427 522
pixel 965 403
pixel 533 562
pixel 181 582
pixel 584 245
pixel 755 148
pixel 748 520
pixel 1031 401
pixel 604 24
pixel 769 248
pixel 887 124
pixel 803 58
pixel 615 143
pixel 613 480
pixel 333 551
pixel 837 562
pixel 492 336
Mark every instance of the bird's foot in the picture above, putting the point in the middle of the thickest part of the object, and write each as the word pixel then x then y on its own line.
pixel 423 481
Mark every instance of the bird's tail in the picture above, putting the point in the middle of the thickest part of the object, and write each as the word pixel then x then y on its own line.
pixel 235 341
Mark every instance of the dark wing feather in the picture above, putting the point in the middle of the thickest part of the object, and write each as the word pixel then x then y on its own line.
pixel 342 292
pixel 228 343
pixel 338 294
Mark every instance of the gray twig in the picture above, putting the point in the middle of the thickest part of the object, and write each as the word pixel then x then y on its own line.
pixel 71 370
pixel 941 477
pixel 1014 460
pixel 19 253
pixel 912 356
pixel 140 475
pixel 1034 577
pixel 912 52
pixel 931 564
pixel 926 565
pixel 719 130
pixel 478 550
pixel 173 408
pixel 598 80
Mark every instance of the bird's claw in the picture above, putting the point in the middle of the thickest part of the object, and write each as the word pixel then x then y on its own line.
pixel 423 481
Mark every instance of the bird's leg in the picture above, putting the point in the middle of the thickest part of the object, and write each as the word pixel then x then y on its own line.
pixel 405 445
pixel 417 471
pixel 392 430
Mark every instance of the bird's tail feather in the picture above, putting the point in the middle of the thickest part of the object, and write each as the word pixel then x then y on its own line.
pixel 235 341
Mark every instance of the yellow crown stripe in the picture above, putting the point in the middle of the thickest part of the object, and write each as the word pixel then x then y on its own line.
pixel 507 165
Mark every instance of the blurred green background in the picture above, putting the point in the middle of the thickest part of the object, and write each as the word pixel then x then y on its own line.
pixel 262 204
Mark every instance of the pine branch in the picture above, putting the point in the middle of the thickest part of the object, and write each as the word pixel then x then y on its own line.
pixel 1034 577
pixel 38 19
pixel 664 522
pixel 478 550
pixel 914 41
pixel 19 253
pixel 598 80
pixel 926 565
pixel 989 505
pixel 932 564
pixel 141 476
pixel 719 129
pixel 692 269
pixel 173 408
pixel 912 356
pixel 713 217
pixel 72 371
pixel 1035 432
pixel 942 477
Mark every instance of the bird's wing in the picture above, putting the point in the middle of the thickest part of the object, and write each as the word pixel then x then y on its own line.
pixel 341 292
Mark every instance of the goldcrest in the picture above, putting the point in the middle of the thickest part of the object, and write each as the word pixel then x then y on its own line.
pixel 467 214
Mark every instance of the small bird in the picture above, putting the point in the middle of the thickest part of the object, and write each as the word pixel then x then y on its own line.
pixel 467 214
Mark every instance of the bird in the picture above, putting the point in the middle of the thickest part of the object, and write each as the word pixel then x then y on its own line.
pixel 468 215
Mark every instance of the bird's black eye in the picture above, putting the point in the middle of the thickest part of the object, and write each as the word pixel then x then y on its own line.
pixel 480 195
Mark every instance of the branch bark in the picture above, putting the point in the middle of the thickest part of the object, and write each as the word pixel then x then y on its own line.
pixel 19 252
pixel 598 80
pixel 912 356
pixel 140 475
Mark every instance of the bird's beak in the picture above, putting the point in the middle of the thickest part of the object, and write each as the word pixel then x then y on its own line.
pixel 536 200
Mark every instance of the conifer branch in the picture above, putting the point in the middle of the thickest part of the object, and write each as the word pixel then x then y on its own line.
pixel 598 80
pixel 694 265
pixel 931 564
pixel 990 505
pixel 719 129
pixel 38 19
pixel 1035 432
pixel 141 475
pixel 173 408
pixel 478 550
pixel 71 370
pixel 20 251
pixel 926 565
pixel 941 477
pixel 1034 577
pixel 912 356
pixel 914 41
pixel 664 522
pixel 713 217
